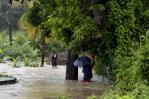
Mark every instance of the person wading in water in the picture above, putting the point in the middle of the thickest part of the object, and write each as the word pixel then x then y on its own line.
pixel 54 58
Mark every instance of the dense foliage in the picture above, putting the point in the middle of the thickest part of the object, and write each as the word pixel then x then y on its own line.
pixel 130 62
pixel 21 50
pixel 116 30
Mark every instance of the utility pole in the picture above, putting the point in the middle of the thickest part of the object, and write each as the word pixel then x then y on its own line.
pixel 9 25
pixel 9 4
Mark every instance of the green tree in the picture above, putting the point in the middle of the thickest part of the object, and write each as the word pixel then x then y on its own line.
pixel 110 28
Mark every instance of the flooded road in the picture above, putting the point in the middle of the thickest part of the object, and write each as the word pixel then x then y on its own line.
pixel 46 83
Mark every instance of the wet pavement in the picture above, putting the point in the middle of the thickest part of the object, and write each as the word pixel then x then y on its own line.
pixel 46 83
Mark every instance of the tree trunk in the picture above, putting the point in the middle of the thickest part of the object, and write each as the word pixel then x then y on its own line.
pixel 71 70
pixel 42 49
pixel 10 34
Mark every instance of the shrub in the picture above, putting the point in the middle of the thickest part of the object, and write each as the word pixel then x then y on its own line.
pixel 20 49
pixel 92 97
pixel 98 67
pixel 15 61
pixel 132 76
pixel 141 91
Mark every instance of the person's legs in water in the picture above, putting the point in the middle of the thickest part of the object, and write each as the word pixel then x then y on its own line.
pixel 87 74
pixel 53 64
pixel 86 78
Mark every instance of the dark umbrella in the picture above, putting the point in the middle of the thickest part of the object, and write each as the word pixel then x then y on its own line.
pixel 82 61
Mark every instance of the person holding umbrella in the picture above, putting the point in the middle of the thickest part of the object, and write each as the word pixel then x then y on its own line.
pixel 87 64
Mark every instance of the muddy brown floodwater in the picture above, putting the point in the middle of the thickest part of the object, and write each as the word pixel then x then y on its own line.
pixel 46 83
